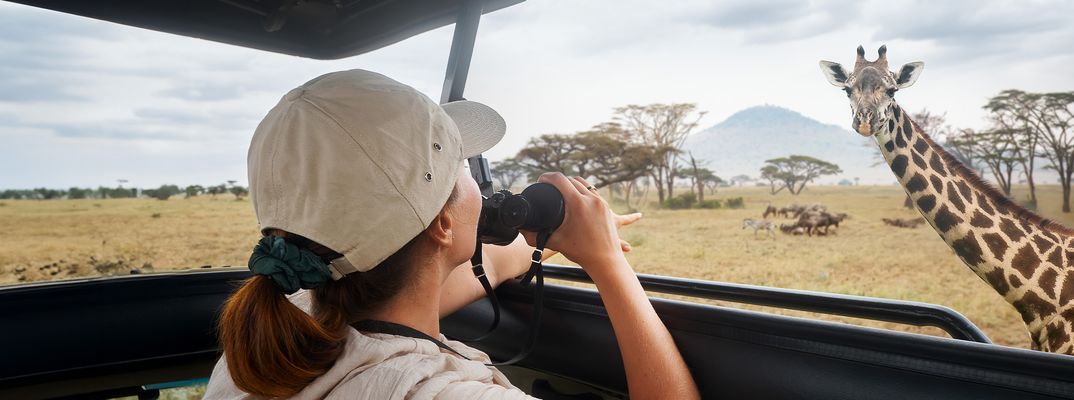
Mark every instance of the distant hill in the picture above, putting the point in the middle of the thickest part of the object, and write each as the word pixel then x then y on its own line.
pixel 740 144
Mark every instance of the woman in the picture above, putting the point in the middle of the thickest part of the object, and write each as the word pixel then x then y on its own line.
pixel 361 189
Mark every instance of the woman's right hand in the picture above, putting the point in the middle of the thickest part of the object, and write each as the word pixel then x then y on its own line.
pixel 588 235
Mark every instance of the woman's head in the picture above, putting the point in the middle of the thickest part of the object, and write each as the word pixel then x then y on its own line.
pixel 361 163
pixel 367 175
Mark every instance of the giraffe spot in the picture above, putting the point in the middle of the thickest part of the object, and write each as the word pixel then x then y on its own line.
pixel 1025 225
pixel 921 146
pixel 920 161
pixel 969 249
pixel 996 244
pixel 1057 335
pixel 936 163
pixel 995 278
pixel 898 165
pixel 1011 230
pixel 907 127
pixel 916 184
pixel 965 190
pixel 1049 235
pixel 1047 282
pixel 1056 258
pixel 1032 307
pixel 926 203
pixel 980 220
pixel 899 141
pixel 1043 245
pixel 1015 282
pixel 945 220
pixel 937 184
pixel 982 202
pixel 1026 261
pixel 954 199
pixel 897 112
pixel 889 146
pixel 1066 294
pixel 891 125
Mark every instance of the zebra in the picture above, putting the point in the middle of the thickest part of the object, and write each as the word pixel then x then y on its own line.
pixel 759 225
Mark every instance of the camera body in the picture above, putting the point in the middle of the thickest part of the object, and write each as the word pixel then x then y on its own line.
pixel 539 208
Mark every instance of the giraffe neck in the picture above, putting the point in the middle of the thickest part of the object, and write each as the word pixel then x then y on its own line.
pixel 1025 258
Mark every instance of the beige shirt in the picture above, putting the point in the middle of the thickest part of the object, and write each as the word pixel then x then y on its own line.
pixel 381 366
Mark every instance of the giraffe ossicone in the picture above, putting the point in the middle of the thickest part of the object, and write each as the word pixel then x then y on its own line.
pixel 1027 259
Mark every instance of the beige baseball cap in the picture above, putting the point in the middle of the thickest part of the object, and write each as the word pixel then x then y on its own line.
pixel 362 164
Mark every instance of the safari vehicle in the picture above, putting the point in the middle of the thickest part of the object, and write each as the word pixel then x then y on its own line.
pixel 135 335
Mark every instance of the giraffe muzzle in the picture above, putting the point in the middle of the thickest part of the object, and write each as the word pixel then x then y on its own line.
pixel 864 123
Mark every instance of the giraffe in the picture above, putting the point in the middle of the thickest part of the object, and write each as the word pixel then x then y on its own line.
pixel 1027 259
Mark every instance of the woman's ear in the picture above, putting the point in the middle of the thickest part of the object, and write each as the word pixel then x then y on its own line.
pixel 440 231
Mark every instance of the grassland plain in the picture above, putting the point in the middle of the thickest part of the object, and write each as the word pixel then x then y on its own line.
pixel 62 239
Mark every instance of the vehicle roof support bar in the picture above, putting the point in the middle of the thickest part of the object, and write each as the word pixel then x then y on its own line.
pixel 462 49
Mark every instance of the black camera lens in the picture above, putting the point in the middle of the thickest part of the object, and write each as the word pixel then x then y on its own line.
pixel 514 211
pixel 539 208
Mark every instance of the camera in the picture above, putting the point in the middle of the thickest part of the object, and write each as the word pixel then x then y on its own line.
pixel 539 208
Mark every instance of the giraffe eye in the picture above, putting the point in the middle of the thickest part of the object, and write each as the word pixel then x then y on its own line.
pixel 846 89
pixel 891 92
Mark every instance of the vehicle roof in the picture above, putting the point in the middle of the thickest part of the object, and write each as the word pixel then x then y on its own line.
pixel 320 29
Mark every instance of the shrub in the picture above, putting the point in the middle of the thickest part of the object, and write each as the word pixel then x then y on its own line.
pixel 736 202
pixel 155 215
pixel 710 204
pixel 682 201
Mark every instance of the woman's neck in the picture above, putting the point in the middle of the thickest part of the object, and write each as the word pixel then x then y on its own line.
pixel 418 304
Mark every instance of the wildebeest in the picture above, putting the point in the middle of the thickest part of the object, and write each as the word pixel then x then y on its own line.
pixel 813 221
pixel 904 223
pixel 792 229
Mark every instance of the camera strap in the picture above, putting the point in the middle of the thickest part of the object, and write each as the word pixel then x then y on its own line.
pixel 535 273
pixel 479 272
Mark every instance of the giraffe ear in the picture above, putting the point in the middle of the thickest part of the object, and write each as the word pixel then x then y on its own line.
pixel 908 74
pixel 835 73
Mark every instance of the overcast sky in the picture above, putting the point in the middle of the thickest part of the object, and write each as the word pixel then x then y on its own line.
pixel 85 102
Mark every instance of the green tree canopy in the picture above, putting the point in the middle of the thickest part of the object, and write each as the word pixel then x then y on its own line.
pixel 795 171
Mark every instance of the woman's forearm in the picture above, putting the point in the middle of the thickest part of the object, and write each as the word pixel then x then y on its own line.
pixel 654 366
pixel 500 263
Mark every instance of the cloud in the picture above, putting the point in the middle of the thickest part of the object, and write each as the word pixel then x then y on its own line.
pixel 70 83
pixel 975 32
pixel 777 21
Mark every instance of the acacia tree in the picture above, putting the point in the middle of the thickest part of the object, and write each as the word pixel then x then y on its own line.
pixel 740 179
pixel 796 171
pixel 772 174
pixel 1012 111
pixel 699 176
pixel 661 126
pixel 507 172
pixel 997 149
pixel 193 190
pixel 550 153
pixel 609 159
pixel 1055 121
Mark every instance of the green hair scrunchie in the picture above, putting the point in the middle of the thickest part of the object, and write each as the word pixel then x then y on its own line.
pixel 289 266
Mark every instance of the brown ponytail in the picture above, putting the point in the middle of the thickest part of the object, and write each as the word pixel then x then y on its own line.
pixel 272 347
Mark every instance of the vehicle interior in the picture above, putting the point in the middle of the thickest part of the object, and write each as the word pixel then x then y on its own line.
pixel 137 335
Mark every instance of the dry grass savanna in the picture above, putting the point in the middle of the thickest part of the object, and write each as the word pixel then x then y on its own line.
pixel 61 239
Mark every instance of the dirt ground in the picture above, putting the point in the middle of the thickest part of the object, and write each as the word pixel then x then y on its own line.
pixel 63 239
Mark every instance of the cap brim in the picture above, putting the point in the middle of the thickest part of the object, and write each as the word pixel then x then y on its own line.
pixel 480 126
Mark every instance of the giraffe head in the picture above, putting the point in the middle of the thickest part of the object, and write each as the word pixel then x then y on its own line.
pixel 871 87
